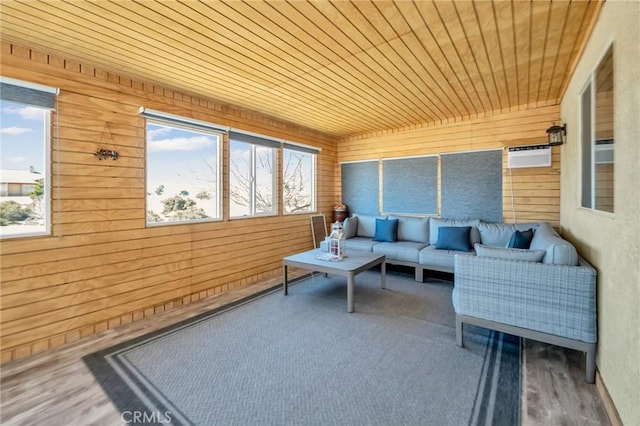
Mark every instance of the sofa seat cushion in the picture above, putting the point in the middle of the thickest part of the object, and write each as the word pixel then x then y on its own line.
pixel 438 260
pixel 407 251
pixel 360 243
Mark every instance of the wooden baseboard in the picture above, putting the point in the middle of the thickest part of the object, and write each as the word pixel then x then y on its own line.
pixel 612 412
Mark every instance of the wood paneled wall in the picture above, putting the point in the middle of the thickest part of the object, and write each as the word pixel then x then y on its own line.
pixel 102 266
pixel 532 193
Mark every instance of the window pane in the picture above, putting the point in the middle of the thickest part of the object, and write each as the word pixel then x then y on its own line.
pixel 585 142
pixel 251 179
pixel 24 177
pixel 182 174
pixel 604 140
pixel 298 181
pixel 264 158
pixel 239 179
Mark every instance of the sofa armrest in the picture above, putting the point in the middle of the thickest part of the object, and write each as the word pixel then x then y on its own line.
pixel 554 299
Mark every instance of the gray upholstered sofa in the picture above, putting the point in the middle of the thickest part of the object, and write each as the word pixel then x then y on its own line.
pixel 545 293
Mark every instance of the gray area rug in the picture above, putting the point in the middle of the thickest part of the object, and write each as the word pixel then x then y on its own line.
pixel 302 359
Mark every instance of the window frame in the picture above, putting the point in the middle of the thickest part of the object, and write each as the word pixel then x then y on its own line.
pixel 587 155
pixel 184 123
pixel 313 152
pixel 253 180
pixel 47 132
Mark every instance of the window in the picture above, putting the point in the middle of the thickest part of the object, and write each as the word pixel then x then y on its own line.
pixel 251 175
pixel 298 179
pixel 183 170
pixel 597 137
pixel 25 117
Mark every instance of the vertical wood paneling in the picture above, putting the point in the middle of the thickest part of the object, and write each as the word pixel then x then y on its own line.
pixel 102 267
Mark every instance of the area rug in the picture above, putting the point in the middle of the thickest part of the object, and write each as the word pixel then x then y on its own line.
pixel 302 359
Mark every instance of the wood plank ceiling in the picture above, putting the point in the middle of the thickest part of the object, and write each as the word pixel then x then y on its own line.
pixel 341 68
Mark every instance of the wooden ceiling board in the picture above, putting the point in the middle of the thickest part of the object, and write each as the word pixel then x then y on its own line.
pixel 342 68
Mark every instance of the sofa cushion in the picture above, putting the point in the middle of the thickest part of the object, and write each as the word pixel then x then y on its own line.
pixel 558 250
pixel 509 253
pixel 367 225
pixel 437 260
pixel 414 229
pixel 359 243
pixel 406 251
pixel 499 234
pixel 386 230
pixel 435 223
pixel 521 239
pixel 350 227
pixel 455 238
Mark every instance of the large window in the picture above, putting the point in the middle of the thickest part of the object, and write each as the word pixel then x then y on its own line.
pixel 298 179
pixel 183 171
pixel 597 137
pixel 252 162
pixel 25 147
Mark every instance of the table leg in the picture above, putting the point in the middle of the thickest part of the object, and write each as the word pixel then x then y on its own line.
pixel 350 285
pixel 285 284
pixel 383 275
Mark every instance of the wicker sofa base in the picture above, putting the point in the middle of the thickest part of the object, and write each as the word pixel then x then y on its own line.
pixel 588 348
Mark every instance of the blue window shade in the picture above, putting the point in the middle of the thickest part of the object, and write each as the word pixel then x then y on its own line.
pixel 360 187
pixel 472 185
pixel 410 185
pixel 28 95
pixel 254 140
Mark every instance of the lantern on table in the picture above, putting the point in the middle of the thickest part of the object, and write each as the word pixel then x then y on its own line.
pixel 336 241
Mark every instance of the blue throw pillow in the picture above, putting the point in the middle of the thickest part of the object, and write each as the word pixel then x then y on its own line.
pixel 386 230
pixel 454 238
pixel 521 240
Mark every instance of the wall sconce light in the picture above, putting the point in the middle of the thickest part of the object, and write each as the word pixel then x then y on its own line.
pixel 556 134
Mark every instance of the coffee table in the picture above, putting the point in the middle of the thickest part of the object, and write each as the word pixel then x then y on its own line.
pixel 354 263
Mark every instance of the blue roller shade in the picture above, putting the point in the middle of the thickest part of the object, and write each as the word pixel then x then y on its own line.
pixel 410 185
pixel 472 185
pixel 360 187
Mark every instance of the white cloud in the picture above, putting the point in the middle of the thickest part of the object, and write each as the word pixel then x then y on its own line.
pixel 15 130
pixel 26 113
pixel 154 133
pixel 181 144
pixel 16 159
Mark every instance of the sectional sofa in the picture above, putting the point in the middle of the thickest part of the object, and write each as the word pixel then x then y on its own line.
pixel 522 279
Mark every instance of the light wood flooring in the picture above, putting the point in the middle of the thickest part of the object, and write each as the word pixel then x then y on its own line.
pixel 56 388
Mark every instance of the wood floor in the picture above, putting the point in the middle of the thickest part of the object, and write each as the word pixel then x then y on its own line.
pixel 56 388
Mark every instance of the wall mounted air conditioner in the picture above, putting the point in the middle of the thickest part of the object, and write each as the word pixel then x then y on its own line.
pixel 529 156
pixel 603 151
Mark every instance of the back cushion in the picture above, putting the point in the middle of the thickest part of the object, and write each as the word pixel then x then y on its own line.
pixel 414 229
pixel 435 223
pixel 499 234
pixel 367 225
pixel 558 250
pixel 350 227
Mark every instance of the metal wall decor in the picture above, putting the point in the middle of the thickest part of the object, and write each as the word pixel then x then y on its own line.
pixel 102 153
